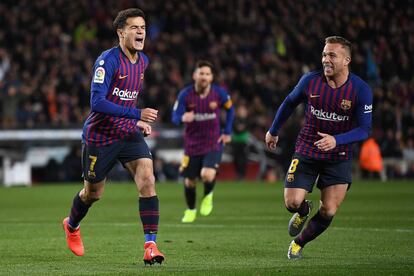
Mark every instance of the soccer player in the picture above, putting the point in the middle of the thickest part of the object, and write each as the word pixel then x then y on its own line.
pixel 114 131
pixel 338 112
pixel 199 107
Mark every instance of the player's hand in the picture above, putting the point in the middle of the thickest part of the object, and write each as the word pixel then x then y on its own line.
pixel 149 115
pixel 188 117
pixel 145 128
pixel 327 142
pixel 271 141
pixel 224 138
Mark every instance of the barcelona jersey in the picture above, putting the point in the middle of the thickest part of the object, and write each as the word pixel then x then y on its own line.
pixel 115 87
pixel 344 112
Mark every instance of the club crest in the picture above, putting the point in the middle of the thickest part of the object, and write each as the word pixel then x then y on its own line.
pixel 346 104
pixel 91 174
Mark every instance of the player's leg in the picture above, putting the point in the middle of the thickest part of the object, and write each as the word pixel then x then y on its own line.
pixel 331 198
pixel 295 200
pixel 142 171
pixel 96 163
pixel 208 174
pixel 80 206
pixel 296 203
pixel 301 176
pixel 333 181
pixel 190 169
pixel 137 159
pixel 190 213
pixel 83 200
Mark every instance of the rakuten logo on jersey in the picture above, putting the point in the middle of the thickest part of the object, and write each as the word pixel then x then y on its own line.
pixel 199 117
pixel 324 115
pixel 125 95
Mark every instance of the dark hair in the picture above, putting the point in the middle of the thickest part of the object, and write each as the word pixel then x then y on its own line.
pixel 203 63
pixel 121 18
pixel 340 40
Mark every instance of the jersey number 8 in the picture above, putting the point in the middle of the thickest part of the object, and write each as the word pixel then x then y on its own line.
pixel 293 165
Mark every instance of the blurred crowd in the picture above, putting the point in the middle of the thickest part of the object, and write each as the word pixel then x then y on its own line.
pixel 260 50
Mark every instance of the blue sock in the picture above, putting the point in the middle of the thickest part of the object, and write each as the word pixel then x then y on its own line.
pixel 150 237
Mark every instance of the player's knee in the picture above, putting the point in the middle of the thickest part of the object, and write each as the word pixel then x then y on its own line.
pixel 208 176
pixel 146 184
pixel 292 204
pixel 189 183
pixel 147 180
pixel 328 210
pixel 91 197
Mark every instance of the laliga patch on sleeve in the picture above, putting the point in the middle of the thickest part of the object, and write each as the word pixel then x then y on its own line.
pixel 99 75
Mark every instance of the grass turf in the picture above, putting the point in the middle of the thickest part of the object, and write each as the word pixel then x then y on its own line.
pixel 372 233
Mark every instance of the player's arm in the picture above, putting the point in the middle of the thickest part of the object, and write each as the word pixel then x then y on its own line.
pixel 363 113
pixel 295 97
pixel 179 110
pixel 227 104
pixel 101 105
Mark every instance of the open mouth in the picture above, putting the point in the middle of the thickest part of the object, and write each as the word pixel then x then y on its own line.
pixel 139 39
pixel 327 67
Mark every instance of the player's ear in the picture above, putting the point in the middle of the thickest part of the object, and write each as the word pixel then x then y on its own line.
pixel 348 60
pixel 120 33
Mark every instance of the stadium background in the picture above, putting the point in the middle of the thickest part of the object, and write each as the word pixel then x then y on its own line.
pixel 260 50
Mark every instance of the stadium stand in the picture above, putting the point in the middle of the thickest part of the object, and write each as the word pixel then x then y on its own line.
pixel 260 49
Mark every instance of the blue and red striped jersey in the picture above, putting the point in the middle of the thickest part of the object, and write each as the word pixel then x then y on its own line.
pixel 201 135
pixel 115 87
pixel 344 112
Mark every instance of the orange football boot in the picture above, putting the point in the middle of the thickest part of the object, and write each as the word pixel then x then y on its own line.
pixel 152 255
pixel 73 239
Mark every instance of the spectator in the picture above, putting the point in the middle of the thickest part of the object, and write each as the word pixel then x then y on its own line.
pixel 240 141
pixel 370 159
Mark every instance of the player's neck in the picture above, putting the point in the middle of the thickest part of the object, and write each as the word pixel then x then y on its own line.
pixel 338 80
pixel 132 55
pixel 202 92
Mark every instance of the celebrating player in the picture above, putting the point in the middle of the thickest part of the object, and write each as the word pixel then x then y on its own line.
pixel 338 113
pixel 199 106
pixel 114 131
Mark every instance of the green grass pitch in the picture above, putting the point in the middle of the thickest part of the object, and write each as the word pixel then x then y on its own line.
pixel 372 233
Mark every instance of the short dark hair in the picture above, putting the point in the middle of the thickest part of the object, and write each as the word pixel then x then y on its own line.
pixel 340 40
pixel 202 63
pixel 121 18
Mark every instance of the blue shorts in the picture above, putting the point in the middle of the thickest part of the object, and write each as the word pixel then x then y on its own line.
pixel 98 161
pixel 191 165
pixel 304 172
